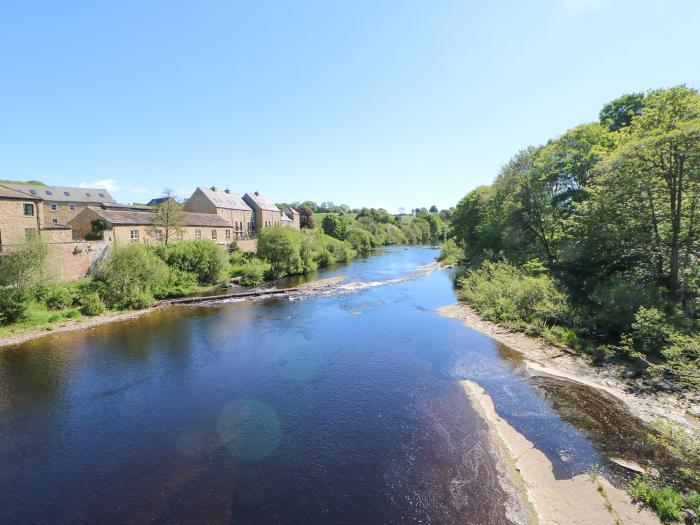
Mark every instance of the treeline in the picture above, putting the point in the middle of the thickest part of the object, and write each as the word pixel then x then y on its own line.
pixel 594 236
pixel 380 228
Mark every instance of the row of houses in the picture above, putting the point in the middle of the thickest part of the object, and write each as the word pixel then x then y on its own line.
pixel 63 214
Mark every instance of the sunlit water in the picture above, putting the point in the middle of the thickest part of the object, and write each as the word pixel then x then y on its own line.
pixel 340 408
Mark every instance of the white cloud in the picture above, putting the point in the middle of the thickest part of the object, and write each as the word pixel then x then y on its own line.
pixel 112 185
pixel 576 7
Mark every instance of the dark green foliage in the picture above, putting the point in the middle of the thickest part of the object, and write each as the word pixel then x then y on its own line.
pixel 620 112
pixel 248 267
pixel 20 271
pixel 205 259
pixel 361 240
pixel 13 305
pixel 178 283
pixel 281 248
pixel 60 296
pixel 335 226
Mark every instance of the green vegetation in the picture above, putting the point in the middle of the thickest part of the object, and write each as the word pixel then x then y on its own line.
pixel 666 501
pixel 608 213
pixel 32 182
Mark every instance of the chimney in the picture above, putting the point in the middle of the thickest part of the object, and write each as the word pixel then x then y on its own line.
pixel 213 188
pixel 227 190
pixel 256 193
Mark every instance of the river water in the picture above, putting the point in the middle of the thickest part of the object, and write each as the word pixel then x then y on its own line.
pixel 338 408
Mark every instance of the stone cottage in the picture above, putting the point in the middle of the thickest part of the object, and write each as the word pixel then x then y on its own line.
pixel 227 205
pixel 266 213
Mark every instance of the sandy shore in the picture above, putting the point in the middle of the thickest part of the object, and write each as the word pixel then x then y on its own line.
pixel 581 500
pixel 543 359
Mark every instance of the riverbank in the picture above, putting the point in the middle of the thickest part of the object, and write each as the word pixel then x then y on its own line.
pixel 22 335
pixel 584 499
pixel 541 358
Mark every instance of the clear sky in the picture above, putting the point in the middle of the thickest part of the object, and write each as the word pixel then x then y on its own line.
pixel 369 103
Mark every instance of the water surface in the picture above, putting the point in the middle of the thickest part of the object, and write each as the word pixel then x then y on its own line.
pixel 342 408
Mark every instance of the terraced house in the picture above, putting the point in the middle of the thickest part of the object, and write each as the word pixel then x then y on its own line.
pixel 226 204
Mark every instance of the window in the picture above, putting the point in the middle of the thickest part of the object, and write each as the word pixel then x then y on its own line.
pixel 30 233
pixel 33 192
pixel 228 234
pixel 180 235
pixel 66 194
pixel 213 234
pixel 54 221
pixel 71 207
pixel 28 209
pixel 158 234
pixel 134 236
pixel 87 194
pixel 54 207
pixel 198 234
pixel 101 194
pixel 49 192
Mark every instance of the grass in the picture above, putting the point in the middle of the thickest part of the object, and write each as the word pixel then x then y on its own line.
pixel 318 217
pixel 34 182
pixel 38 316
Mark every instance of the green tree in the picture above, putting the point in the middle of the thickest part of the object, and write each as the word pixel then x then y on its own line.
pixel 20 270
pixel 619 113
pixel 281 248
pixel 335 226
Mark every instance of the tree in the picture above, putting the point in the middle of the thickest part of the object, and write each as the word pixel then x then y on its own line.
pixel 306 217
pixel 433 209
pixel 335 226
pixel 169 217
pixel 281 248
pixel 20 270
pixel 620 112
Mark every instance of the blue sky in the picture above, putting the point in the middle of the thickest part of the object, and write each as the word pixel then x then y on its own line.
pixel 369 103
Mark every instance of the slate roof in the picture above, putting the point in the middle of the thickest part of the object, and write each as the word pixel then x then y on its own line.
pixel 159 200
pixel 260 201
pixel 64 193
pixel 146 218
pixel 222 199
pixel 8 193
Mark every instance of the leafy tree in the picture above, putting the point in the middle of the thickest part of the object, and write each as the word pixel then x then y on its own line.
pixel 619 113
pixel 335 226
pixel 306 217
pixel 361 240
pixel 433 209
pixel 169 217
pixel 205 259
pixel 281 248
pixel 20 270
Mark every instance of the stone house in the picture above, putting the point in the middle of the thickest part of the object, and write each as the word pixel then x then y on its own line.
pixel 266 213
pixel 291 218
pixel 21 216
pixel 122 226
pixel 62 203
pixel 227 205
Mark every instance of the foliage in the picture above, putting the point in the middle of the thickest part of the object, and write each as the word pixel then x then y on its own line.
pixel 178 283
pixel 664 500
pixel 130 275
pixel 281 248
pixel 60 296
pixel 203 258
pixel 451 253
pixel 361 240
pixel 306 217
pixel 248 267
pixel 91 304
pixel 335 226
pixel 506 294
pixel 20 270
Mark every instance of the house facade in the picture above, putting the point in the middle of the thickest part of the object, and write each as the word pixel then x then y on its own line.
pixel 226 204
pixel 291 218
pixel 124 226
pixel 265 212
pixel 62 203
pixel 21 216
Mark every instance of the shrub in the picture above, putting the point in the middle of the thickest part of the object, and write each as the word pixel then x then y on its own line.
pixel 13 305
pixel 664 500
pixel 178 283
pixel 254 273
pixel 92 304
pixel 130 274
pixel 450 253
pixel 60 296
pixel 281 248
pixel 506 294
pixel 361 240
pixel 205 259
pixel 335 226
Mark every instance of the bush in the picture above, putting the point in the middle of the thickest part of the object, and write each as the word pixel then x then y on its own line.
pixel 506 294
pixel 92 304
pixel 281 247
pixel 254 273
pixel 361 240
pixel 335 226
pixel 178 283
pixel 60 296
pixel 664 500
pixel 130 274
pixel 13 305
pixel 205 259
pixel 450 253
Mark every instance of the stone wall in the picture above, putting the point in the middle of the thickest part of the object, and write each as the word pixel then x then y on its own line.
pixel 74 260
pixel 247 245
pixel 14 223
pixel 62 212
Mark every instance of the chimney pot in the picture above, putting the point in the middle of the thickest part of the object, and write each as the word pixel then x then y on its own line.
pixel 213 188
pixel 227 190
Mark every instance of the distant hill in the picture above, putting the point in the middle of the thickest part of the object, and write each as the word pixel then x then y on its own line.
pixel 34 182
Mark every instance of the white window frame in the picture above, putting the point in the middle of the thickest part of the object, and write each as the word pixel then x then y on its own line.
pixel 198 234
pixel 54 207
pixel 71 207
pixel 134 234
pixel 158 235
pixel 54 221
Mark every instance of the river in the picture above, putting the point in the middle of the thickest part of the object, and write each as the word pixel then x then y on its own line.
pixel 338 408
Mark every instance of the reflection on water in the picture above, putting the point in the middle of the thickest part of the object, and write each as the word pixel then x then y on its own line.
pixel 328 409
